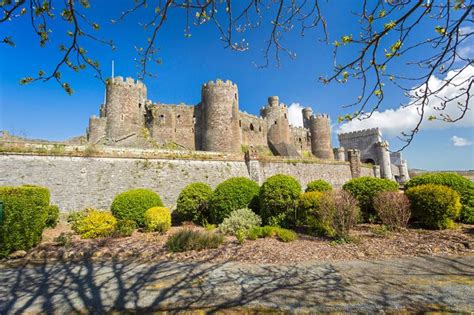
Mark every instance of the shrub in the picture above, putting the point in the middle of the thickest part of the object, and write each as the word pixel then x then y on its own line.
pixel 318 185
pixel 364 190
pixel 125 228
pixel 52 218
pixel 95 224
pixel 132 204
pixel 462 185
pixel 279 197
pixel 393 209
pixel 232 194
pixel 24 217
pixel 158 219
pixel 341 209
pixel 282 234
pixel 241 220
pixel 187 239
pixel 193 201
pixel 435 206
pixel 309 213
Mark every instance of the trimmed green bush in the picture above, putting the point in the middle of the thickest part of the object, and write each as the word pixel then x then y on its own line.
pixel 192 203
pixel 364 189
pixel 232 194
pixel 53 216
pixel 462 185
pixel 435 206
pixel 240 221
pixel 95 224
pixel 25 210
pixel 279 198
pixel 132 204
pixel 187 239
pixel 309 213
pixel 282 234
pixel 318 185
pixel 158 219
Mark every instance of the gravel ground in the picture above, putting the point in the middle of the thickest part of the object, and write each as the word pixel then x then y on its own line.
pixel 411 284
pixel 369 243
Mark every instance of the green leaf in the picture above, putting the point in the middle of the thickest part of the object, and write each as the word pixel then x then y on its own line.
pixel 440 30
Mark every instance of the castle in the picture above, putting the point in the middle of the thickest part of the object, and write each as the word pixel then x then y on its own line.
pixel 129 118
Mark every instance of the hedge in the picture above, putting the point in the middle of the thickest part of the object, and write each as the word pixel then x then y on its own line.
pixel 364 189
pixel 318 185
pixel 192 203
pixel 24 217
pixel 132 204
pixel 279 198
pixel 232 194
pixel 462 185
pixel 434 206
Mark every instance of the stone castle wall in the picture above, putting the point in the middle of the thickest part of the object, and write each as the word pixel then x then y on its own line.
pixel 254 130
pixel 79 182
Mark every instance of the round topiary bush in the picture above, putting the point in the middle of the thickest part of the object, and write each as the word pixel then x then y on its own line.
pixel 462 185
pixel 434 206
pixel 318 185
pixel 364 189
pixel 158 219
pixel 279 198
pixel 192 203
pixel 309 213
pixel 232 194
pixel 132 204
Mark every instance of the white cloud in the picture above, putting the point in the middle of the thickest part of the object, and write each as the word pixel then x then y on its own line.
pixel 295 116
pixel 403 119
pixel 460 142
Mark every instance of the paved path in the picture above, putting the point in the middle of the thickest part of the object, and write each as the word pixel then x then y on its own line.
pixel 439 283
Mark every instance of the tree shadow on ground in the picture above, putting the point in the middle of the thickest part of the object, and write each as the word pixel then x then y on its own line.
pixel 91 286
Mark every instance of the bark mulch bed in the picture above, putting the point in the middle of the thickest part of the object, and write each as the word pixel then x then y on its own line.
pixel 370 242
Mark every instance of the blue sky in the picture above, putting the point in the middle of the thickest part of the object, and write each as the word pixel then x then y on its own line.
pixel 43 110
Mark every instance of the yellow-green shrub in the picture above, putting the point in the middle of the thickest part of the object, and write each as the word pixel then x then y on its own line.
pixel 94 224
pixel 24 217
pixel 435 206
pixel 309 213
pixel 158 219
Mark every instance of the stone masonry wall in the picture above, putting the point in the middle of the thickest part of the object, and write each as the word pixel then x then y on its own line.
pixel 79 182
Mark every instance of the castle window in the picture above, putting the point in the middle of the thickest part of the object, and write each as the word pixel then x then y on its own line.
pixel 285 116
pixel 260 128
pixel 178 118
pixel 122 117
pixel 251 127
pixel 139 105
pixel 240 123
pixel 275 122
pixel 299 139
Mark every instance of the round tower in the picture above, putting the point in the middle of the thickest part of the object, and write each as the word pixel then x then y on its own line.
pixel 220 117
pixel 307 113
pixel 124 107
pixel 276 115
pixel 320 129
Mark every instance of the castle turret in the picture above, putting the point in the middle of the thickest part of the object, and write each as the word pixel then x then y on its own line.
pixel 124 107
pixel 307 113
pixel 220 117
pixel 384 160
pixel 276 115
pixel 320 129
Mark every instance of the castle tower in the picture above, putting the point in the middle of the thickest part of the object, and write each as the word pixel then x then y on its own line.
pixel 384 160
pixel 276 115
pixel 124 107
pixel 320 130
pixel 307 113
pixel 220 117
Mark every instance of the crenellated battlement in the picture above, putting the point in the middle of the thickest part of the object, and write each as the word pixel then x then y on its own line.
pixel 320 117
pixel 360 133
pixel 126 82
pixel 219 84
